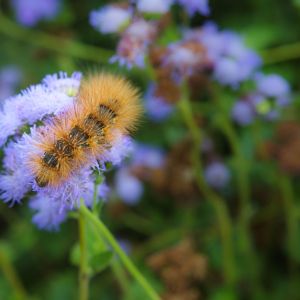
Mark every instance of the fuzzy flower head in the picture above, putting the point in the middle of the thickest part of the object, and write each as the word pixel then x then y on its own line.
pixel 110 18
pixel 52 96
pixel 30 12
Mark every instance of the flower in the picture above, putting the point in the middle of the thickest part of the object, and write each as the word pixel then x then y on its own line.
pixel 193 6
pixel 217 175
pixel 243 113
pixel 186 58
pixel 154 6
pixel 147 155
pixel 60 82
pixel 30 12
pixel 10 77
pixel 109 19
pixel 133 45
pixel 233 62
pixel 53 95
pixel 272 85
pixel 156 107
pixel 128 187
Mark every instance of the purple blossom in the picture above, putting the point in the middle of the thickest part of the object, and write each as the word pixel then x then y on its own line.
pixel 157 108
pixel 13 183
pixel 110 18
pixel 128 187
pixel 148 156
pixel 133 45
pixel 10 77
pixel 30 12
pixel 272 85
pixel 243 113
pixel 194 6
pixel 121 148
pixel 233 61
pixel 154 6
pixel 217 175
pixel 53 95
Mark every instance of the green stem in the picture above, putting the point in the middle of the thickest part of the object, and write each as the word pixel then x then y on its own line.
pixel 216 201
pixel 281 53
pixel 121 275
pixel 125 260
pixel 290 214
pixel 12 277
pixel 53 43
pixel 83 268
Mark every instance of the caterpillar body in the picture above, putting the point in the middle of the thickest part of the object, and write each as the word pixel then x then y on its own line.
pixel 105 105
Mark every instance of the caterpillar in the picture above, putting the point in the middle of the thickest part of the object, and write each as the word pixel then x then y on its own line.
pixel 105 104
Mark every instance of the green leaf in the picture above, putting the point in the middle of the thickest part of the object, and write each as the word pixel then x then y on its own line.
pixel 75 255
pixel 100 261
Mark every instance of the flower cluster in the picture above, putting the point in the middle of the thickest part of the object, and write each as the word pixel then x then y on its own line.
pixel 128 184
pixel 10 77
pixel 33 107
pixel 271 93
pixel 30 12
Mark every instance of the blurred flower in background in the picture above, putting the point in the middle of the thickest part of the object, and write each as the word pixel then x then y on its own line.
pixel 30 12
pixel 195 6
pixel 110 18
pixel 217 175
pixel 10 77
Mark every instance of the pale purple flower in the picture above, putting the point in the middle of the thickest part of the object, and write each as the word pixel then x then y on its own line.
pixel 233 61
pixel 243 113
pixel 148 156
pixel 272 85
pixel 217 175
pixel 52 204
pixel 156 107
pixel 17 178
pixel 154 6
pixel 121 148
pixel 128 187
pixel 61 82
pixel 30 12
pixel 52 96
pixel 133 45
pixel 194 6
pixel 10 77
pixel 110 18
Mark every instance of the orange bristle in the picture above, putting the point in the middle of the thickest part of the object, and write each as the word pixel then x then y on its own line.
pixel 105 104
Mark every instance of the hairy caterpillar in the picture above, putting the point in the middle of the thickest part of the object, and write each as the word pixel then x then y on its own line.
pixel 105 105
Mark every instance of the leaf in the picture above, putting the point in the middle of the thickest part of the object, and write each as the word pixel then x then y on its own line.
pixel 100 261
pixel 75 255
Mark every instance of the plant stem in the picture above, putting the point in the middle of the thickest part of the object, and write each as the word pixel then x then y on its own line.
pixel 216 201
pixel 83 268
pixel 114 244
pixel 281 53
pixel 12 277
pixel 53 43
pixel 290 214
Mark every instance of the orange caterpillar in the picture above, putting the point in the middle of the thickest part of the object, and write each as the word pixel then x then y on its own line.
pixel 105 104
